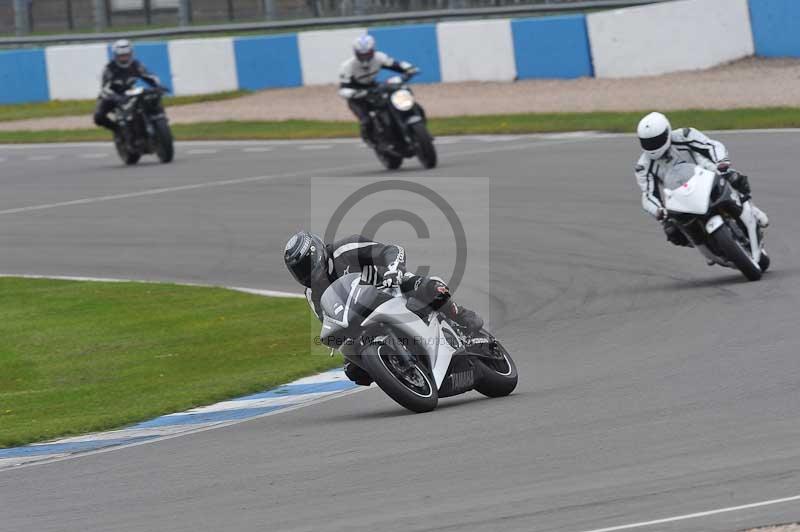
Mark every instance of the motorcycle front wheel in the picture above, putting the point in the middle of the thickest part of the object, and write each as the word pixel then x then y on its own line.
pixel 389 161
pixel 498 374
pixel 400 377
pixel 426 151
pixel 733 250
pixel 165 149
pixel 128 157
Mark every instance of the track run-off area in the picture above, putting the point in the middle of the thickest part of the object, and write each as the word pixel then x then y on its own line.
pixel 655 393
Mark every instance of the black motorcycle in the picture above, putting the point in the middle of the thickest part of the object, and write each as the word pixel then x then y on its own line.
pixel 144 128
pixel 399 125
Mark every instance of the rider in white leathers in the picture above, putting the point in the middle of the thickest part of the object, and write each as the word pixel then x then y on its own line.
pixel 357 75
pixel 663 149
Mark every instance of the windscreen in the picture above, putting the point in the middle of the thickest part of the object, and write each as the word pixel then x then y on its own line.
pixel 679 175
pixel 336 295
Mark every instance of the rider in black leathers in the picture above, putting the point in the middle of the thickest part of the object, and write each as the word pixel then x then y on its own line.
pixel 119 75
pixel 316 265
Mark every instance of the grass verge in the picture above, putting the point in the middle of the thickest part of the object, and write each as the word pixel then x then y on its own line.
pixel 620 122
pixel 25 111
pixel 77 357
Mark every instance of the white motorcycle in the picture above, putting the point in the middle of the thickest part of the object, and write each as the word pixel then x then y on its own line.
pixel 716 219
pixel 416 357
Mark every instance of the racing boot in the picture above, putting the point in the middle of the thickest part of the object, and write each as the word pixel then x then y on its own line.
pixel 464 317
pixel 356 374
pixel 760 216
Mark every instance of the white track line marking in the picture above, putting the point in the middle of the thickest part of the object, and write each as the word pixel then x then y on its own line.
pixel 698 515
pixel 257 149
pixel 202 152
pixel 157 191
pixel 316 147
pixel 199 143
pixel 256 291
pixel 317 171
pixel 93 155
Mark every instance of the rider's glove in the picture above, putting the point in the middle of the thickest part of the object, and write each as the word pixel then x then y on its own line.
pixel 739 181
pixel 661 214
pixel 723 166
pixel 391 278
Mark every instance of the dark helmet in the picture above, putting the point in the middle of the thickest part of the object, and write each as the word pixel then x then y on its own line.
pixel 305 257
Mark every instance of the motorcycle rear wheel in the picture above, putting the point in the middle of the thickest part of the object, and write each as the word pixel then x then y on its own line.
pixel 165 149
pixel 498 377
pixel 732 249
pixel 410 387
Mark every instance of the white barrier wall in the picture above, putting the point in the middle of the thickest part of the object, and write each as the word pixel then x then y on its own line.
pixel 201 66
pixel 668 37
pixel 74 72
pixel 323 52
pixel 481 50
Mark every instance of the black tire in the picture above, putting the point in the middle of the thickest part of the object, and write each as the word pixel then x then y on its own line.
pixel 763 261
pixel 389 161
pixel 732 250
pixel 376 360
pixel 498 378
pixel 426 151
pixel 165 148
pixel 127 157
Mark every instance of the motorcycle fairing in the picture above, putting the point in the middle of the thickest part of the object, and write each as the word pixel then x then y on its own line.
pixel 694 196
pixel 432 336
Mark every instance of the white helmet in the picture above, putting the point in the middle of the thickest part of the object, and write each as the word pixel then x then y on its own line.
pixel 655 135
pixel 122 52
pixel 364 48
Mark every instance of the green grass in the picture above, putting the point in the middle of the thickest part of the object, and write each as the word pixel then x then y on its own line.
pixel 77 357
pixel 622 122
pixel 25 111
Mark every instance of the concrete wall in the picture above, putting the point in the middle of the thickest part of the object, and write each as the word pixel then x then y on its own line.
pixel 201 66
pixel 321 53
pixel 668 37
pixel 73 72
pixel 479 50
pixel 654 39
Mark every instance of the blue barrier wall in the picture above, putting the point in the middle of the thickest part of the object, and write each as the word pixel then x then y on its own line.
pixel 265 62
pixel 551 47
pixel 416 44
pixel 155 57
pixel 776 27
pixel 23 76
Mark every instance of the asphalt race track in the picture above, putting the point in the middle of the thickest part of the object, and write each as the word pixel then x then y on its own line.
pixel 652 386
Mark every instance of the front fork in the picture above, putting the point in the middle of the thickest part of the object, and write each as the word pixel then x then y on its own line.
pixel 750 223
